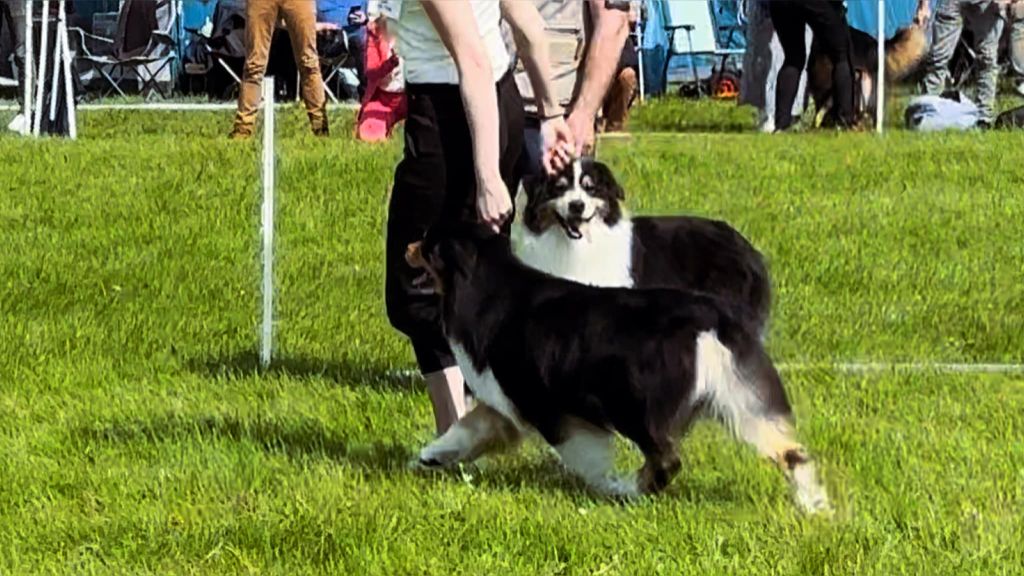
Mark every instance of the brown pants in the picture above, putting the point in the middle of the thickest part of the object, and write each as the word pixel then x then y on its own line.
pixel 619 99
pixel 260 18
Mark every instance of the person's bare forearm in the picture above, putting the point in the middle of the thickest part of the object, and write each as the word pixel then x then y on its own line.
pixel 457 28
pixel 611 27
pixel 531 43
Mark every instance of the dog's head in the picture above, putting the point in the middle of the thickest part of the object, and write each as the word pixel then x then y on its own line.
pixel 573 199
pixel 451 249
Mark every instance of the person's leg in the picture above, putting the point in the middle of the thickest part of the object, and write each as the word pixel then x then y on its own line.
pixel 260 16
pixel 829 25
pixel 1017 44
pixel 620 95
pixel 988 29
pixel 789 26
pixel 946 30
pixel 412 303
pixel 300 16
pixel 16 21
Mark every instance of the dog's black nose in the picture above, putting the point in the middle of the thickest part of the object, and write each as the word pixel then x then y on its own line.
pixel 576 207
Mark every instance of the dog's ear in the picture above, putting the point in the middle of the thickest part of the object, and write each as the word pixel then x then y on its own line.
pixel 414 255
pixel 606 181
pixel 528 185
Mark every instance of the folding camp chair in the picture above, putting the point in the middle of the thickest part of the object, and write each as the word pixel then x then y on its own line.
pixel 139 43
pixel 697 20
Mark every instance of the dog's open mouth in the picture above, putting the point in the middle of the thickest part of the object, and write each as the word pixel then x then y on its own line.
pixel 574 226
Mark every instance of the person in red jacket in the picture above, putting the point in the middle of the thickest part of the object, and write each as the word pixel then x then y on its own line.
pixel 383 105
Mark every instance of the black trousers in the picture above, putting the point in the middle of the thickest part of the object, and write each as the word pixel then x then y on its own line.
pixel 828 22
pixel 436 180
pixel 12 17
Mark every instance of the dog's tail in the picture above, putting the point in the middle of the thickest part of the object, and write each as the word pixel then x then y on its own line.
pixel 904 51
pixel 740 386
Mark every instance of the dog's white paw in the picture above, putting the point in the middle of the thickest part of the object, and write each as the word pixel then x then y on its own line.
pixel 810 495
pixel 436 456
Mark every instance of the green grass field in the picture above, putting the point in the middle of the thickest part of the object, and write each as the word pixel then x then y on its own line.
pixel 137 436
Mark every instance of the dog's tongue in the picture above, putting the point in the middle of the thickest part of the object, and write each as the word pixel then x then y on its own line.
pixel 573 232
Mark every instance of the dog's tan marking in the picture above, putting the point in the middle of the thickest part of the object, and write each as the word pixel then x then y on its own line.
pixel 481 431
pixel 414 257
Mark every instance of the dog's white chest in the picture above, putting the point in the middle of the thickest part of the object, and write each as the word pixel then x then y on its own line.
pixel 485 386
pixel 603 258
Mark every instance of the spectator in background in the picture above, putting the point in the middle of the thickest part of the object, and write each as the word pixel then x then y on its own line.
pixel 261 16
pixel 827 19
pixel 350 17
pixel 986 20
pixel 384 104
pixel 623 89
pixel 586 39
pixel 1017 44
pixel 762 60
pixel 13 13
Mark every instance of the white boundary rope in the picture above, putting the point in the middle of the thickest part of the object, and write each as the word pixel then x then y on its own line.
pixel 267 332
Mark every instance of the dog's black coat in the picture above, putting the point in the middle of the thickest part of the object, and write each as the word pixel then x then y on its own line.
pixel 687 252
pixel 618 358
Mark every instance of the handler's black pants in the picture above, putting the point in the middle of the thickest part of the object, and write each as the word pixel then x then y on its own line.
pixel 828 22
pixel 436 180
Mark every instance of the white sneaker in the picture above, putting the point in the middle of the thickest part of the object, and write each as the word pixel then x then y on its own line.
pixel 1020 88
pixel 19 124
pixel 766 123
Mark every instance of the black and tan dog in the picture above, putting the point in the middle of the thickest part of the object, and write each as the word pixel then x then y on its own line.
pixel 577 363
pixel 903 54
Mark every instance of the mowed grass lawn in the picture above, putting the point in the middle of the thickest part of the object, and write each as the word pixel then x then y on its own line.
pixel 137 436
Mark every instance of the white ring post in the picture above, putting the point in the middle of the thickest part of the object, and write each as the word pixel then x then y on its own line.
pixel 55 76
pixel 69 88
pixel 41 83
pixel 880 89
pixel 268 221
pixel 29 56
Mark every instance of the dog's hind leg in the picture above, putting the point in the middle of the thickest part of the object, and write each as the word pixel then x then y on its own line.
pixel 748 398
pixel 588 451
pixel 482 430
pixel 661 464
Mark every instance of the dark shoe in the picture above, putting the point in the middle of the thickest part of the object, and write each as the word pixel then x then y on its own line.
pixel 321 127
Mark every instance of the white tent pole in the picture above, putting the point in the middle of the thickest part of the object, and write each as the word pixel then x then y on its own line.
pixel 41 82
pixel 55 76
pixel 69 88
pixel 28 72
pixel 266 342
pixel 880 89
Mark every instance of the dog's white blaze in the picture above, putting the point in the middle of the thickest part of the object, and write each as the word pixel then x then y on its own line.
pixel 485 386
pixel 603 259
pixel 588 453
pixel 720 383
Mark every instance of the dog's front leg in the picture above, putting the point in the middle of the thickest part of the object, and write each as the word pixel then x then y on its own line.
pixel 482 430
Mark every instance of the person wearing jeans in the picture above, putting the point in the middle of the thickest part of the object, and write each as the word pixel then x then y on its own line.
pixel 1016 14
pixel 261 16
pixel 14 20
pixel 986 20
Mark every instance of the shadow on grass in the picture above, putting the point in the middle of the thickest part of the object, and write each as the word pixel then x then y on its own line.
pixel 305 440
pixel 345 372
pixel 298 439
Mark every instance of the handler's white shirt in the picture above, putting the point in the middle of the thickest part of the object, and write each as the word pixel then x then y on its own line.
pixel 424 55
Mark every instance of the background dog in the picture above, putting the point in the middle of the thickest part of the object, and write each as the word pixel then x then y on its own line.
pixel 903 54
pixel 577 362
pixel 574 226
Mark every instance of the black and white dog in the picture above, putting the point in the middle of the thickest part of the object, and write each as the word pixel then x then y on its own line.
pixel 574 226
pixel 577 363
